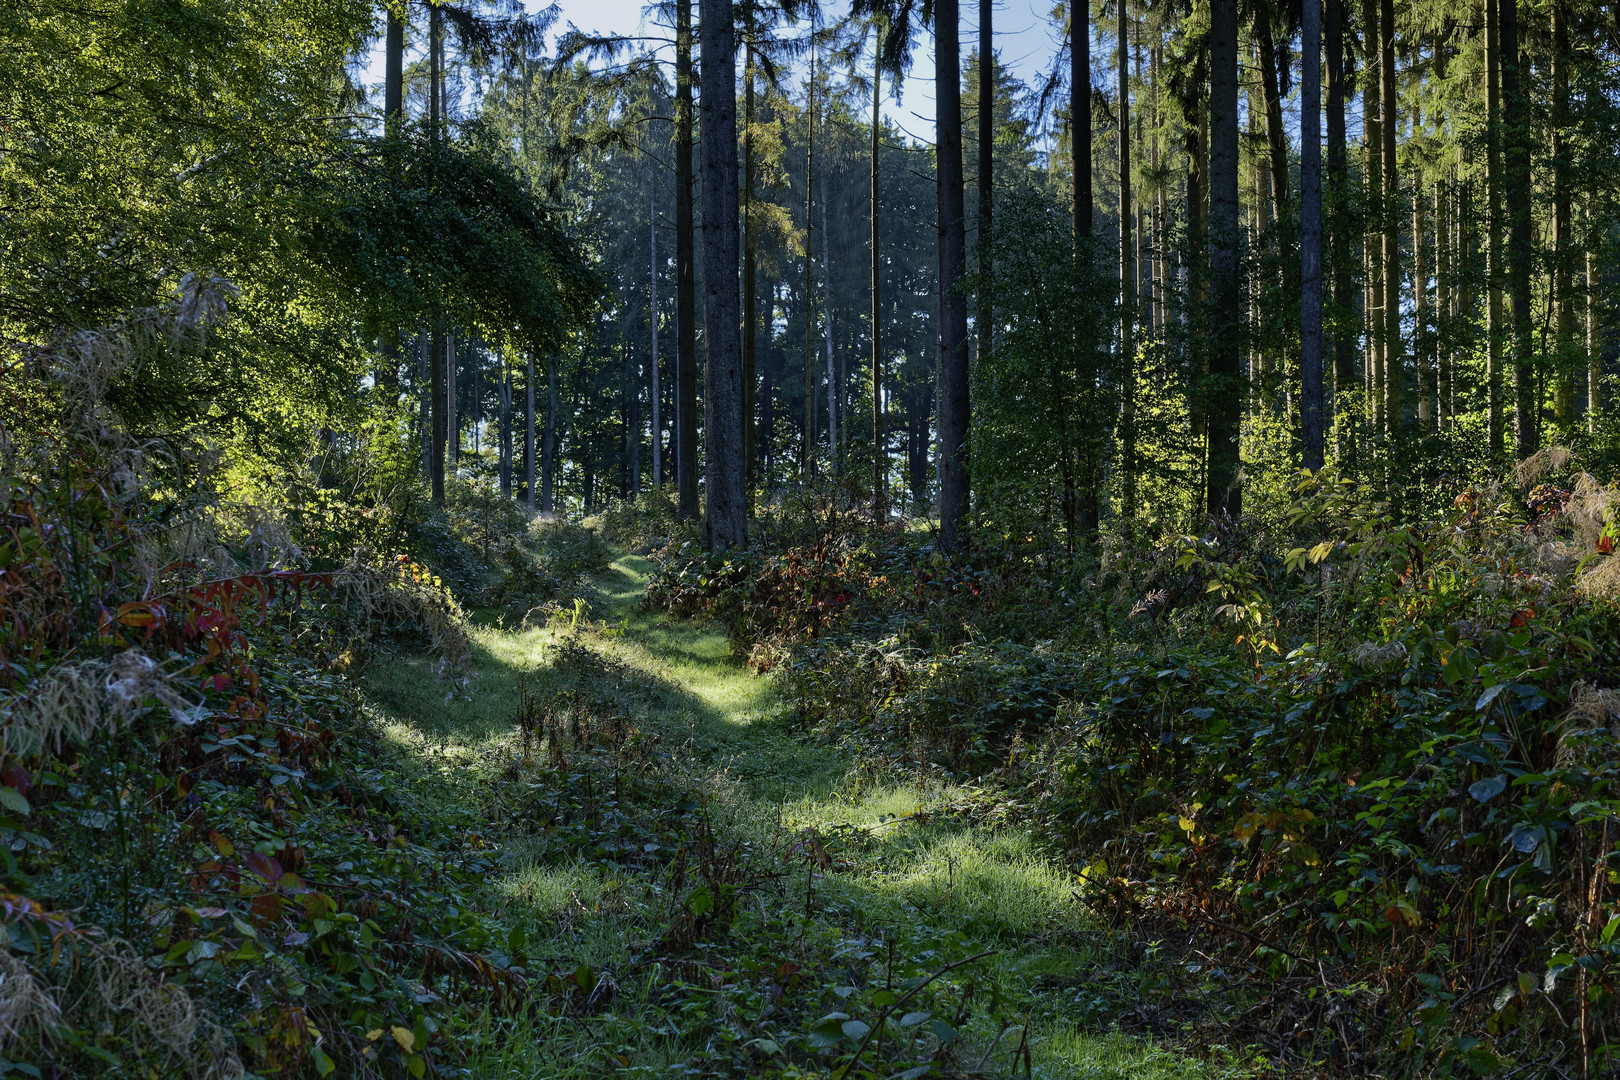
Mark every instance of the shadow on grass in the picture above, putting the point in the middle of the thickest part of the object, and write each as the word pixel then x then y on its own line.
pixel 673 679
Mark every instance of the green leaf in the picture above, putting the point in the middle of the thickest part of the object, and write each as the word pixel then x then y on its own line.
pixel 855 1030
pixel 1489 788
pixel 323 1064
pixel 701 902
pixel 912 1019
pixel 1489 696
pixel 825 1034
pixel 13 800
pixel 944 1031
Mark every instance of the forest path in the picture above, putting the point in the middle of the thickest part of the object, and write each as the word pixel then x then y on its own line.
pixel 835 872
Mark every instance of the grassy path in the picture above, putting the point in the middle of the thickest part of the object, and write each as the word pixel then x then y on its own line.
pixel 836 874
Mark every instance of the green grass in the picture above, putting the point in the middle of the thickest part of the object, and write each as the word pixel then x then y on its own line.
pixel 906 864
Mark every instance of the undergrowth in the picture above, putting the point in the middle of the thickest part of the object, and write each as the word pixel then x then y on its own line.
pixel 1355 775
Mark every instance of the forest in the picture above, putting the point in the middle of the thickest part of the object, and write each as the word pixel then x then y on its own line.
pixel 808 542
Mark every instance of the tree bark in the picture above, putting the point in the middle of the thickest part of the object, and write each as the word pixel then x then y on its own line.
pixel 686 441
pixel 1338 186
pixel 1276 137
pixel 506 428
pixel 1223 494
pixel 1563 270
pixel 725 512
pixel 954 406
pixel 880 454
pixel 1493 228
pixel 750 273
pixel 1517 196
pixel 1080 116
pixel 528 431
pixel 809 459
pixel 1127 273
pixel 1310 237
pixel 652 318
pixel 1393 361
pixel 548 481
pixel 986 171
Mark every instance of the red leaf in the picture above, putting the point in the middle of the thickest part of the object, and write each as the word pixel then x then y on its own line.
pixel 264 865
pixel 266 909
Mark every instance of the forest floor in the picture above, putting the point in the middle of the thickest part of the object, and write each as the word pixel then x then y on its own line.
pixel 700 890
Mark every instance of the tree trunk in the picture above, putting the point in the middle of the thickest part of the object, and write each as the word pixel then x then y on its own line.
pixel 652 318
pixel 1127 274
pixel 1276 137
pixel 725 511
pixel 986 172
pixel 833 384
pixel 1310 237
pixel 809 460
pixel 1080 115
pixel 436 348
pixel 750 274
pixel 1222 494
pixel 528 431
pixel 1391 220
pixel 1517 197
pixel 632 421
pixel 1493 227
pixel 506 428
pixel 1594 353
pixel 1563 270
pixel 1338 188
pixel 548 477
pixel 880 455
pixel 686 445
pixel 953 366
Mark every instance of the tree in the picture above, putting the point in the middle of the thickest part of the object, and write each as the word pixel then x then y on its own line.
pixel 954 410
pixel 685 279
pixel 1310 238
pixel 1223 494
pixel 725 511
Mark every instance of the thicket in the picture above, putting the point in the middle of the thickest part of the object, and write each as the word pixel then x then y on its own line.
pixel 1356 771
pixel 212 865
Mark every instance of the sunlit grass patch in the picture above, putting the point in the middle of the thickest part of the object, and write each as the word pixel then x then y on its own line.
pixel 1071 1054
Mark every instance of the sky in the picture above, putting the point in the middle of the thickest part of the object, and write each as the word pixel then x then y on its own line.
pixel 1027 41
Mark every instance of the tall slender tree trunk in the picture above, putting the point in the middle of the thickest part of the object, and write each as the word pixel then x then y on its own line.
pixel 1493 228
pixel 1276 136
pixel 548 479
pixel 1223 494
pixel 632 420
pixel 652 319
pixel 1080 116
pixel 986 172
pixel 1594 351
pixel 809 460
pixel 880 450
pixel 436 348
pixel 953 361
pixel 1563 268
pixel 528 432
pixel 1127 273
pixel 750 274
pixel 725 508
pixel 1078 519
pixel 1310 237
pixel 1517 197
pixel 506 427
pixel 1394 374
pixel 833 384
pixel 686 438
pixel 1338 189
pixel 1377 327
